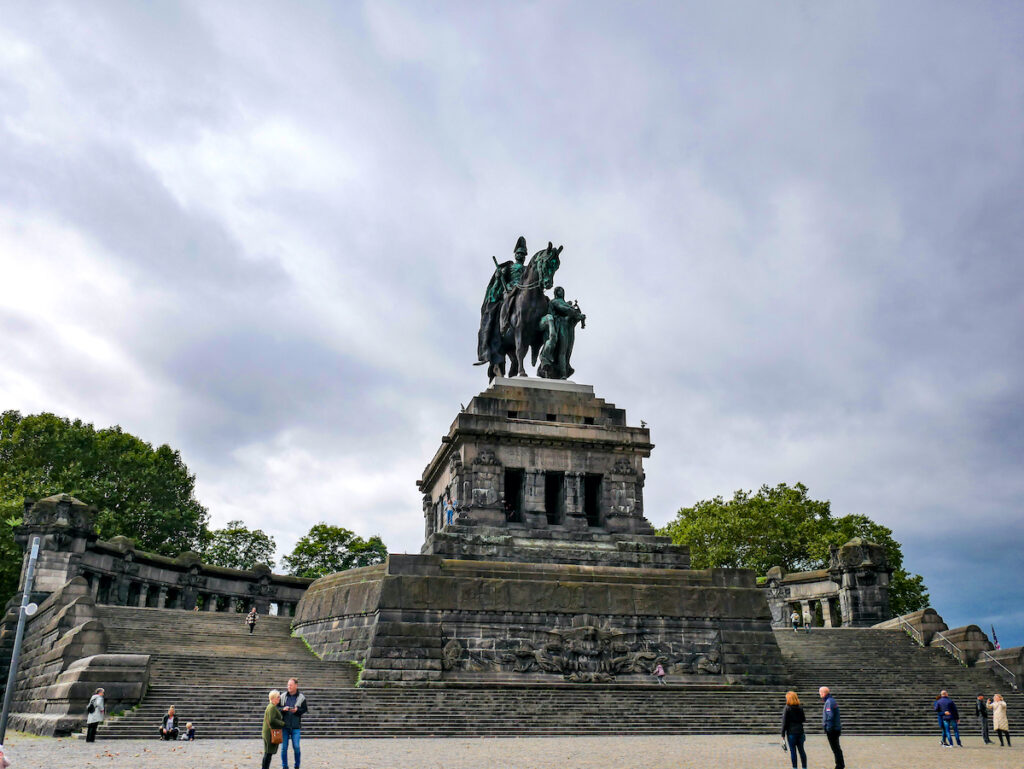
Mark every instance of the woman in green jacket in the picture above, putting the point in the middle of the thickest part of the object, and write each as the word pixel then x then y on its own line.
pixel 272 719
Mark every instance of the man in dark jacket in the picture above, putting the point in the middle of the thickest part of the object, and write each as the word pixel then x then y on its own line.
pixel 950 716
pixel 981 712
pixel 832 725
pixel 293 707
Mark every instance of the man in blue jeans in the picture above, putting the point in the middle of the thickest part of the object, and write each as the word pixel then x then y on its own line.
pixel 293 707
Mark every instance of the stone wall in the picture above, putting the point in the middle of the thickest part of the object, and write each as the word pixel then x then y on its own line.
pixel 421 619
pixel 63 661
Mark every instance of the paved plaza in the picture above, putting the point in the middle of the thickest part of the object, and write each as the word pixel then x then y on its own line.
pixel 731 752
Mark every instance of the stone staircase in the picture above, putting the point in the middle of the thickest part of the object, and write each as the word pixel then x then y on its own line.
pixel 218 677
pixel 883 681
pixel 210 668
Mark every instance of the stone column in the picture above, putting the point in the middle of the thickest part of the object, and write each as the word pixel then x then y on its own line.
pixel 143 594
pixel 211 602
pixel 233 604
pixel 575 518
pixel 96 587
pixel 805 612
pixel 826 612
pixel 161 599
pixel 534 514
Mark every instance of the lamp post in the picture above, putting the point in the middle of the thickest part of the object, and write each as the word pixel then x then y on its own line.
pixel 27 609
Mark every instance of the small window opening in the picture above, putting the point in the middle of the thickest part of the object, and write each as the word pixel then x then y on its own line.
pixel 514 478
pixel 552 418
pixel 592 499
pixel 588 420
pixel 513 415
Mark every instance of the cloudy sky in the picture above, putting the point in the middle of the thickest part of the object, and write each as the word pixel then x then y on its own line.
pixel 261 233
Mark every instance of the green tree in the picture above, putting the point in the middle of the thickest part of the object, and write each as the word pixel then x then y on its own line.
pixel 238 547
pixel 783 526
pixel 143 493
pixel 328 549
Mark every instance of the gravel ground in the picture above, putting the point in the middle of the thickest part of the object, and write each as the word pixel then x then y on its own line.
pixel 738 752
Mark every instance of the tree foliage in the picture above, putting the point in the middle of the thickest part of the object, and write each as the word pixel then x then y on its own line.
pixel 143 493
pixel 238 547
pixel 328 549
pixel 783 526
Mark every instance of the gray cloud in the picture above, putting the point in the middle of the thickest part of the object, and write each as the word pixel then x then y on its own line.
pixel 263 237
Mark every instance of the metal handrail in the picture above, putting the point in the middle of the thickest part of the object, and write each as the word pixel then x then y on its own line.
pixel 959 655
pixel 910 630
pixel 1010 673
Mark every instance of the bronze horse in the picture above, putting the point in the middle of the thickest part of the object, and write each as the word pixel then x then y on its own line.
pixel 521 311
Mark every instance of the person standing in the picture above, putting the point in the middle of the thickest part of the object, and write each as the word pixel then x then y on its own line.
pixel 981 711
pixel 832 725
pixel 793 720
pixel 271 720
pixel 250 620
pixel 293 707
pixel 449 511
pixel 938 718
pixel 659 673
pixel 950 716
pixel 1000 722
pixel 97 711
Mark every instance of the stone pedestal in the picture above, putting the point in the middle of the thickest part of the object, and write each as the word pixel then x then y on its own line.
pixel 549 574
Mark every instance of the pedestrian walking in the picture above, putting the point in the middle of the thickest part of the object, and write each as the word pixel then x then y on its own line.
pixel 1000 722
pixel 981 711
pixel 250 620
pixel 950 716
pixel 659 673
pixel 793 720
pixel 795 619
pixel 273 723
pixel 293 706
pixel 97 711
pixel 832 725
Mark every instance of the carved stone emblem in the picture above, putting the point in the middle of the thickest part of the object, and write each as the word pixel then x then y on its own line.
pixel 486 456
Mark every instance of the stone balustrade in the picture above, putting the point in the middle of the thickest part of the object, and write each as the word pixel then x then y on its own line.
pixel 118 573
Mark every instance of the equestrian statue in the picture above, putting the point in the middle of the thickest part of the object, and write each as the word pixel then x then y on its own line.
pixel 516 316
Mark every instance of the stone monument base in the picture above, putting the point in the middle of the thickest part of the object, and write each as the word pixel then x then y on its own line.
pixel 428 620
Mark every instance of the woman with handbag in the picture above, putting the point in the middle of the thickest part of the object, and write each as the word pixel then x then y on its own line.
pixel 793 720
pixel 97 711
pixel 273 723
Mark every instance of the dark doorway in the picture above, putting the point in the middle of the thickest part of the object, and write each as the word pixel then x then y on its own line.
pixel 514 494
pixel 554 497
pixel 592 499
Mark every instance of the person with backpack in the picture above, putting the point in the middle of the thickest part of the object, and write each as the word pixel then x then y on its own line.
pixel 97 711
pixel 793 720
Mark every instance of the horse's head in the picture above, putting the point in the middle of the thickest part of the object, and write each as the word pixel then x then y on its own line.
pixel 546 263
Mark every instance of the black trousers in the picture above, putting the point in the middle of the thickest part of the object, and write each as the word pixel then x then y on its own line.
pixel 999 734
pixel 171 734
pixel 90 731
pixel 833 742
pixel 984 728
pixel 266 760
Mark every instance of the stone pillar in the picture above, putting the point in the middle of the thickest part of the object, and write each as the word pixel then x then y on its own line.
pixel 575 517
pixel 161 600
pixel 861 570
pixel 95 587
pixel 233 604
pixel 826 612
pixel 211 602
pixel 534 512
pixel 143 594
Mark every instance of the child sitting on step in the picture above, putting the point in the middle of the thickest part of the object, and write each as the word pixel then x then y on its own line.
pixel 189 734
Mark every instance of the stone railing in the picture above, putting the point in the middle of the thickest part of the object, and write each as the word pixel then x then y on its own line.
pixel 118 573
